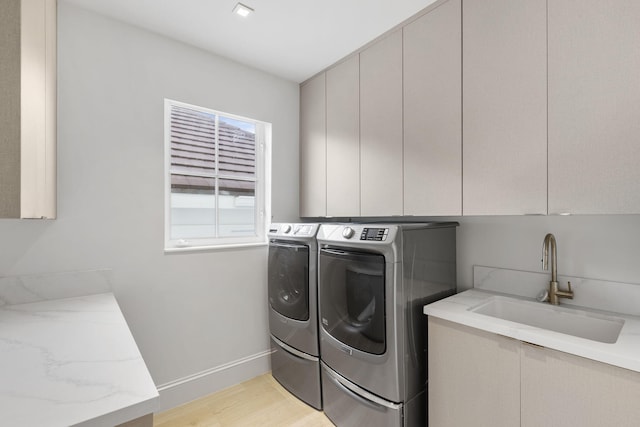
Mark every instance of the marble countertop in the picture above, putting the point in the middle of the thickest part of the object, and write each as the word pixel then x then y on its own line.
pixel 624 353
pixel 70 362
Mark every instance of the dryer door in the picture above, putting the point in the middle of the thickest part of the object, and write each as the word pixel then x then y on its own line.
pixel 288 279
pixel 352 306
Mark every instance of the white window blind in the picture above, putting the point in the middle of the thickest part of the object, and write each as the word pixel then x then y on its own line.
pixel 216 191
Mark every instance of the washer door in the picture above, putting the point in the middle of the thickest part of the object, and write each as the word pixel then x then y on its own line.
pixel 288 279
pixel 352 306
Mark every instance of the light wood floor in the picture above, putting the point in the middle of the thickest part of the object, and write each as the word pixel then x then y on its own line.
pixel 261 401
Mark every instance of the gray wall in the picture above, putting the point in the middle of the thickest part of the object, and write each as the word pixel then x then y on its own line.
pixel 603 247
pixel 188 312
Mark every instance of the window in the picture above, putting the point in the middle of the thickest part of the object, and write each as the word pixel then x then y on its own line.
pixel 216 178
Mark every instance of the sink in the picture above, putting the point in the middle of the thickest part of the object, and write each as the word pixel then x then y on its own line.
pixel 568 321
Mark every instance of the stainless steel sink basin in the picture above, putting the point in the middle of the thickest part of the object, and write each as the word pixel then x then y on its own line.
pixel 568 321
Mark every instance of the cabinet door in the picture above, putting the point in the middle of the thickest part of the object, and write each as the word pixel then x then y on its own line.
pixel 433 113
pixel 594 106
pixel 504 107
pixel 381 127
pixel 28 109
pixel 313 154
pixel 473 377
pixel 343 139
pixel 561 390
pixel 10 109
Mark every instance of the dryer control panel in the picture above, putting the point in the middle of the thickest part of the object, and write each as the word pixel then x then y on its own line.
pixel 369 235
pixel 379 234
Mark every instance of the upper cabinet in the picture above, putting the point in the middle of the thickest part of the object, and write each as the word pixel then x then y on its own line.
pixel 504 107
pixel 313 148
pixel 381 127
pixel 28 109
pixel 343 139
pixel 594 106
pixel 483 107
pixel 433 113
pixel 393 125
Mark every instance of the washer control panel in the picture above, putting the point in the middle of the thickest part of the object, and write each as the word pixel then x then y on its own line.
pixel 378 234
pixel 293 230
pixel 304 230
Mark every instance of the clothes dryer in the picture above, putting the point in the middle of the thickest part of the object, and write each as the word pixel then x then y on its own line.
pixel 293 316
pixel 373 281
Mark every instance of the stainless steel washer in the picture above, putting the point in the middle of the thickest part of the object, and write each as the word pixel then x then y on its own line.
pixel 293 316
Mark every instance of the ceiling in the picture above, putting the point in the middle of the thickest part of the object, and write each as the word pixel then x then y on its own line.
pixel 293 39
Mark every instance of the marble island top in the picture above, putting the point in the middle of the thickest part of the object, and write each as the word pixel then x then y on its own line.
pixel 624 353
pixel 71 362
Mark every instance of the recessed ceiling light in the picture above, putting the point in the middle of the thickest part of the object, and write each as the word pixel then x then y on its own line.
pixel 242 10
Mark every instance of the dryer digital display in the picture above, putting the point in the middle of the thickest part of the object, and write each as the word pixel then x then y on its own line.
pixel 379 234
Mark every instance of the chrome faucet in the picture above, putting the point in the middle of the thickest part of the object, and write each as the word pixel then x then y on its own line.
pixel 555 292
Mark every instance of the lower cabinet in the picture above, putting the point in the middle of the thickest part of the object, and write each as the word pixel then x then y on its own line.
pixel 483 379
pixel 473 377
pixel 143 421
pixel 562 390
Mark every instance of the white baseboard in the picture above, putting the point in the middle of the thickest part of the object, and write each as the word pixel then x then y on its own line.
pixel 192 387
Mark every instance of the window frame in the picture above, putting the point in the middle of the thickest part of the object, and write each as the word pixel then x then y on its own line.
pixel 262 181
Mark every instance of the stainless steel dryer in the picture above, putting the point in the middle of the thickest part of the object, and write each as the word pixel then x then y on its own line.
pixel 293 316
pixel 373 281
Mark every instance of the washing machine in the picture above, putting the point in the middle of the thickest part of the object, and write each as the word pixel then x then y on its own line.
pixel 293 316
pixel 373 281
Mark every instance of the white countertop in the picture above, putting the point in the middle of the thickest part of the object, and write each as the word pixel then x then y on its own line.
pixel 70 362
pixel 624 353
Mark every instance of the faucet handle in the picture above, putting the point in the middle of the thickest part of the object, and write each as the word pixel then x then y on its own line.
pixel 566 293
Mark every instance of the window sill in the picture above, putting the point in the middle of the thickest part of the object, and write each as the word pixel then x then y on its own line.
pixel 230 246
